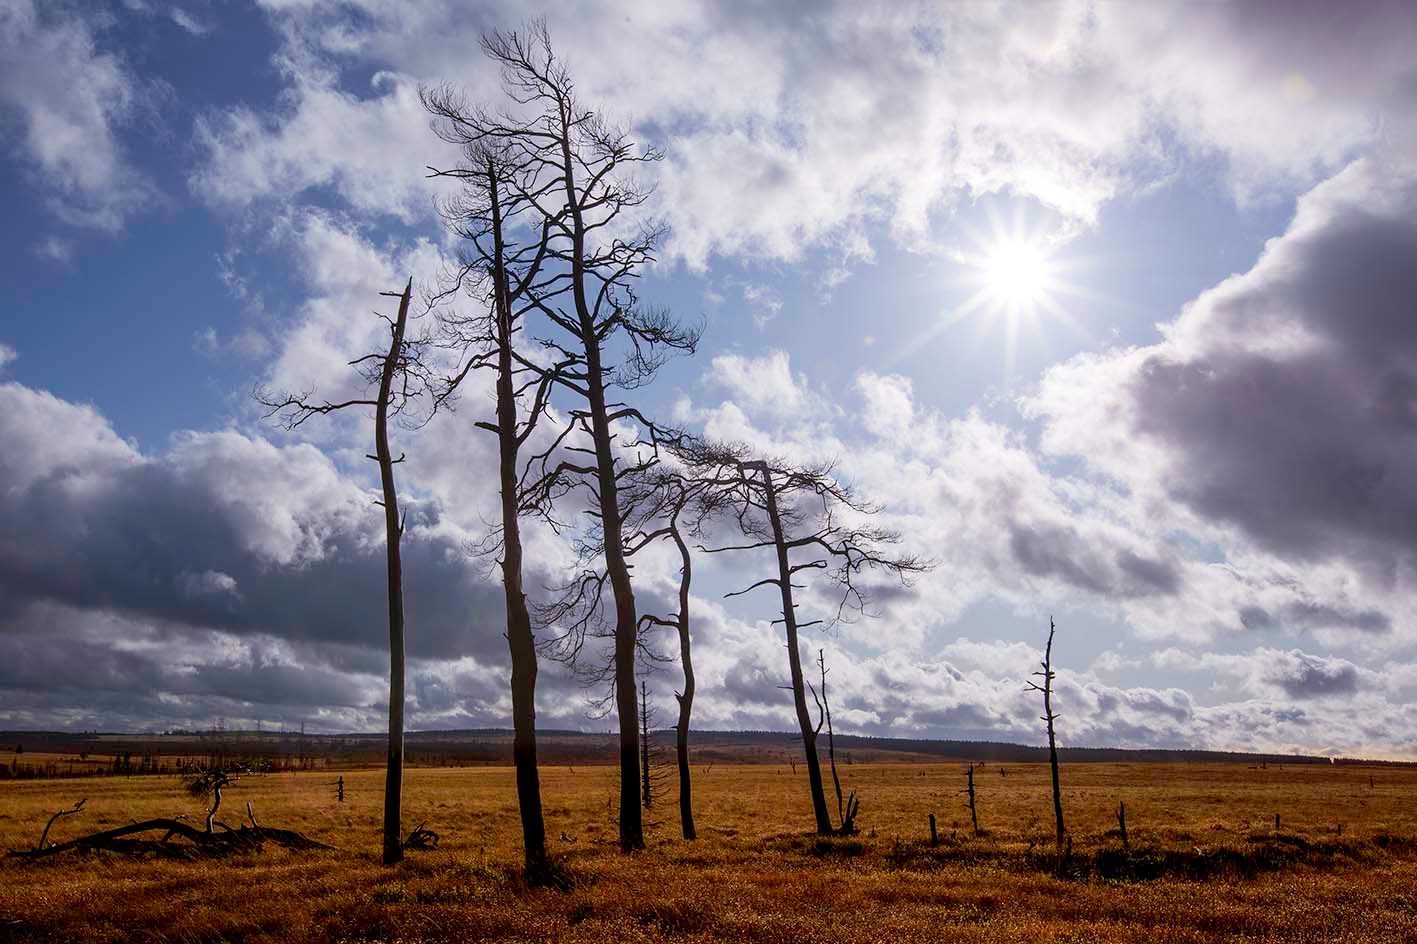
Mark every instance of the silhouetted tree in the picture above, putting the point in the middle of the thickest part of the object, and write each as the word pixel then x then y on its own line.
pixel 584 193
pixel 668 505
pixel 1048 717
pixel 801 511
pixel 500 262
pixel 845 811
pixel 400 377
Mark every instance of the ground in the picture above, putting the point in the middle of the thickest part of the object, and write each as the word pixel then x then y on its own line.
pixel 1206 862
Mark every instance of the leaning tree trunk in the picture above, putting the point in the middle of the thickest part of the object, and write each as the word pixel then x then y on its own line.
pixel 520 641
pixel 393 530
pixel 686 698
pixel 794 661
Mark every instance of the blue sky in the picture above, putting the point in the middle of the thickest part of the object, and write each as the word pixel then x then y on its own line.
pixel 1190 451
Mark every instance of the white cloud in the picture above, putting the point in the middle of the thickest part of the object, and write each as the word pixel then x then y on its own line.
pixel 71 97
pixel 794 130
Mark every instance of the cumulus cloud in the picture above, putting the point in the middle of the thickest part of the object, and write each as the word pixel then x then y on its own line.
pixel 812 124
pixel 1280 407
pixel 69 97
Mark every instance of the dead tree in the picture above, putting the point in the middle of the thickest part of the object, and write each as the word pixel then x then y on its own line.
pixel 585 196
pixel 845 810
pixel 1048 717
pixel 1122 824
pixel 209 781
pixel 44 836
pixel 646 787
pixel 400 377
pixel 801 510
pixel 969 792
pixel 499 265
pixel 669 504
pixel 208 843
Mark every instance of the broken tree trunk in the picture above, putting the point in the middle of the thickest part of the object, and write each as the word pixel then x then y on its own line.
pixel 845 811
pixel 1047 674
pixel 973 810
pixel 646 789
pixel 393 528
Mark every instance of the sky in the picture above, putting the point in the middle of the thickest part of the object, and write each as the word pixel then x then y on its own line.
pixel 1109 306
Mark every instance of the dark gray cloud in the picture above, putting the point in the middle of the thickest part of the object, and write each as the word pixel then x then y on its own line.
pixel 1064 553
pixel 1288 404
pixel 1305 676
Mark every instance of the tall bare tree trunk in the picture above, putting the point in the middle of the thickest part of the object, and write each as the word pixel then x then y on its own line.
pixel 794 660
pixel 632 835
pixel 520 641
pixel 686 697
pixel 393 531
pixel 1049 717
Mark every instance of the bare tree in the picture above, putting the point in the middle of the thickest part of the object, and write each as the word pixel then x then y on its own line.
pixel 400 377
pixel 801 511
pixel 585 195
pixel 1048 717
pixel 970 794
pixel 499 265
pixel 845 811
pixel 670 505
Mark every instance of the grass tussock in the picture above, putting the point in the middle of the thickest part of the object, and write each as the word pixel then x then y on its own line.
pixel 1204 863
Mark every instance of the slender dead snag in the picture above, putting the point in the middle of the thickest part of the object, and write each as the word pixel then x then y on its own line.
pixel 686 697
pixel 393 533
pixel 1048 717
pixel 646 790
pixel 845 810
pixel 401 378
pixel 582 191
pixel 969 791
pixel 1122 823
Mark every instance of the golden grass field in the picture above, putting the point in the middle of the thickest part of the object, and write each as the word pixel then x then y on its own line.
pixel 756 874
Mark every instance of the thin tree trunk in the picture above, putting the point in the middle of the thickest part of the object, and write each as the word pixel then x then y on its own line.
pixel 626 628
pixel 686 698
pixel 393 531
pixel 520 641
pixel 1052 741
pixel 831 740
pixel 794 662
pixel 645 786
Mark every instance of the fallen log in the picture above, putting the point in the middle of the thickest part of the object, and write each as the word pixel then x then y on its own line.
pixel 197 844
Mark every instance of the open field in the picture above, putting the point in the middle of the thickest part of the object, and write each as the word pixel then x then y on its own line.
pixel 1207 863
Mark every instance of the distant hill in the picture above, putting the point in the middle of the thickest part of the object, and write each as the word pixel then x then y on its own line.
pixel 493 746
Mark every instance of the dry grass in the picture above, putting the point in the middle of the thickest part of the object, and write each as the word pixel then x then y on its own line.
pixel 1204 837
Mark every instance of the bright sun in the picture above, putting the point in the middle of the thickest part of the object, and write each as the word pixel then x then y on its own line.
pixel 1016 274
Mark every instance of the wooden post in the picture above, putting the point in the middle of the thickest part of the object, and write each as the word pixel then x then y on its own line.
pixel 1122 823
pixel 1276 822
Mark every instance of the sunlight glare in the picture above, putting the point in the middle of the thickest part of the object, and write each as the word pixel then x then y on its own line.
pixel 1016 274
